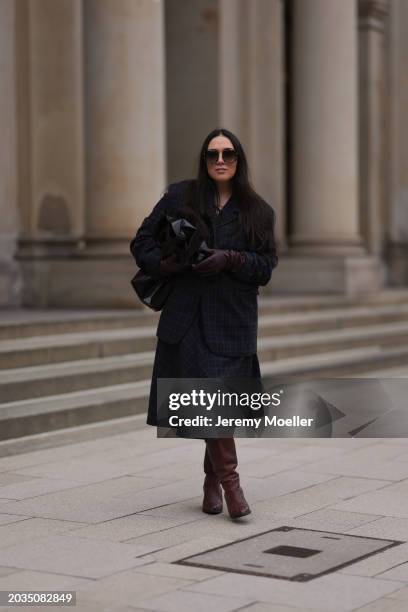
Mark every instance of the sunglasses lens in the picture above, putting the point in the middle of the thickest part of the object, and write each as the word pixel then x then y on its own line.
pixel 229 156
pixel 211 156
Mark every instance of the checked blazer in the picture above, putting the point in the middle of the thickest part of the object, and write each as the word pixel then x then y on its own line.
pixel 228 300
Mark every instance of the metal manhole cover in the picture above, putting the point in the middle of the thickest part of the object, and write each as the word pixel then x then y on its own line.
pixel 290 553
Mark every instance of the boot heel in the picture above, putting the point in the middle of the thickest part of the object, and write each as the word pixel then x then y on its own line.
pixel 236 503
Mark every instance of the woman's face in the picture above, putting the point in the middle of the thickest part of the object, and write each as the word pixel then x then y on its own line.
pixel 221 159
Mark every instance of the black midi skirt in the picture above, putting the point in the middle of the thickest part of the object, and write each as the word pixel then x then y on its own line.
pixel 191 358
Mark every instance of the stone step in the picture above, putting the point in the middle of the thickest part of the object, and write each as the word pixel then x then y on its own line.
pixel 292 345
pixel 57 412
pixel 335 318
pixel 52 379
pixel 348 363
pixel 67 369
pixel 71 435
pixel 58 348
pixel 27 323
pixel 25 352
pixel 24 323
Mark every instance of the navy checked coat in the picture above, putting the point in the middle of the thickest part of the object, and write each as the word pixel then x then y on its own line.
pixel 228 300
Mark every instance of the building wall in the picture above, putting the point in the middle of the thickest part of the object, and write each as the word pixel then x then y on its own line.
pixel 95 130
pixel 191 81
pixel 397 152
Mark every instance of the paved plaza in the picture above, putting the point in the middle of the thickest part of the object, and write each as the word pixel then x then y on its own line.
pixel 108 516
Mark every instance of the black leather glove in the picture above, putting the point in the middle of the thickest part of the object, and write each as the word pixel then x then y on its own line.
pixel 219 261
pixel 170 266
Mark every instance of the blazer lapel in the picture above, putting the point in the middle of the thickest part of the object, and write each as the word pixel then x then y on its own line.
pixel 229 212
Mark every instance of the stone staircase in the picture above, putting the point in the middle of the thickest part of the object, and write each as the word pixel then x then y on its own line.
pixel 65 369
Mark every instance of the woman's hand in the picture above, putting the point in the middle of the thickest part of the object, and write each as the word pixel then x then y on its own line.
pixel 218 261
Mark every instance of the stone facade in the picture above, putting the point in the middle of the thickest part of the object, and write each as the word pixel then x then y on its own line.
pixel 104 102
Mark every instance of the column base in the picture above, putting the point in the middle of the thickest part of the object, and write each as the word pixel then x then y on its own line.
pixel 84 281
pixel 10 276
pixel 79 280
pixel 347 275
pixel 397 259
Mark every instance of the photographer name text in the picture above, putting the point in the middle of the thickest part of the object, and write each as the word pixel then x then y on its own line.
pixel 273 421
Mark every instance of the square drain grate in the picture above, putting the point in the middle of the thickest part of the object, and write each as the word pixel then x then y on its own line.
pixel 290 553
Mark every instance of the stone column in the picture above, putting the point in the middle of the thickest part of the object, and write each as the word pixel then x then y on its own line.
pixel 397 168
pixel 192 81
pixel 251 92
pixel 125 138
pixel 10 282
pixel 327 253
pixel 372 101
pixel 125 111
pixel 325 126
pixel 50 137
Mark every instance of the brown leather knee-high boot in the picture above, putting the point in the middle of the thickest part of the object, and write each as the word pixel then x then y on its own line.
pixel 223 457
pixel 212 502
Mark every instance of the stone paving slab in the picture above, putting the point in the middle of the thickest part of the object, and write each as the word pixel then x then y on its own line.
pixel 334 520
pixel 5 571
pixel 399 572
pixel 263 607
pixel 256 489
pixel 36 457
pixel 332 593
pixel 377 461
pixel 402 457
pixel 385 527
pixel 33 487
pixel 96 470
pixel 4 502
pixel 378 565
pixel 320 495
pixel 173 537
pixel 173 472
pixel 32 528
pixel 163 458
pixel 31 580
pixel 128 588
pixel 187 510
pixel 218 526
pixel 383 605
pixel 131 527
pixel 311 453
pixel 5 519
pixel 283 484
pixel 7 478
pixel 87 607
pixel 269 466
pixel 185 549
pixel 391 500
pixel 73 556
pixel 283 444
pixel 101 501
pixel 199 602
pixel 401 594
pixel 172 570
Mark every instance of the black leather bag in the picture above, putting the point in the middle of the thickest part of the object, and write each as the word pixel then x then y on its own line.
pixel 151 291
pixel 178 236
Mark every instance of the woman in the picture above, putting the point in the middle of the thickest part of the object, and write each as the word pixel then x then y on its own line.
pixel 208 326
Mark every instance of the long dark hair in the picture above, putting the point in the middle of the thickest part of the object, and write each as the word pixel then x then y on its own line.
pixel 257 218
